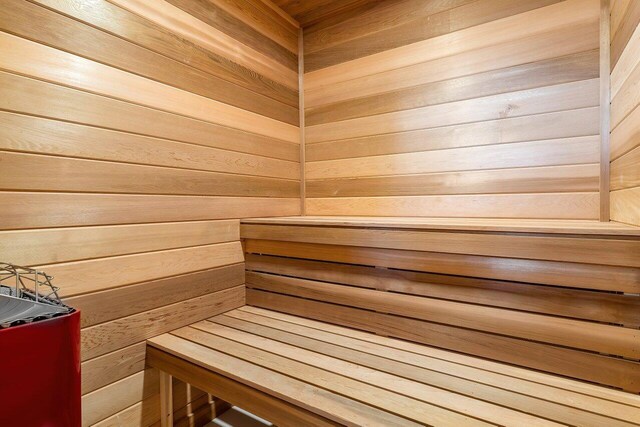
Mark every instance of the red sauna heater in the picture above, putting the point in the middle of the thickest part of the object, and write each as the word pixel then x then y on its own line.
pixel 39 352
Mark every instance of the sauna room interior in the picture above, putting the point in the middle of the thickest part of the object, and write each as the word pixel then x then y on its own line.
pixel 320 213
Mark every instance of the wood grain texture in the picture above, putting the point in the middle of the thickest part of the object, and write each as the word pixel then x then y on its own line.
pixel 575 67
pixel 231 349
pixel 625 112
pixel 106 337
pixel 564 124
pixel 35 98
pixel 612 371
pixel 82 277
pixel 570 333
pixel 257 401
pixel 539 21
pixel 529 271
pixel 552 179
pixel 430 352
pixel 625 205
pixel 383 15
pixel 109 400
pixel 561 97
pixel 72 36
pixel 612 308
pixel 341 400
pixel 419 29
pixel 318 12
pixel 540 206
pixel 49 64
pixel 188 400
pixel 568 248
pixel 107 177
pixel 367 348
pixel 142 32
pixel 48 246
pixel 72 209
pixel 220 19
pixel 111 367
pixel 503 53
pixel 628 23
pixel 553 152
pixel 461 288
pixel 267 18
pixel 90 110
pixel 366 374
pixel 439 101
pixel 513 225
pixel 140 297
pixel 188 26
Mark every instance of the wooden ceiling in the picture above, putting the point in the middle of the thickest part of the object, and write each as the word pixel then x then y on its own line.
pixel 311 12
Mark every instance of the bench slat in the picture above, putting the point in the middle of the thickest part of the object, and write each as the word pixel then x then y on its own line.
pixel 379 405
pixel 298 371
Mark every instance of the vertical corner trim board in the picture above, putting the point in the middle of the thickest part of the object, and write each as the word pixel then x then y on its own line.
pixel 625 112
pixel 400 98
pixel 133 136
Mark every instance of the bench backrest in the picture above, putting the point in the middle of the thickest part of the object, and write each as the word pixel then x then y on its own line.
pixel 562 303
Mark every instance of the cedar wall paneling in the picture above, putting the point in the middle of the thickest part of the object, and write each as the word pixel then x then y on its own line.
pixel 133 135
pixel 625 111
pixel 324 13
pixel 486 108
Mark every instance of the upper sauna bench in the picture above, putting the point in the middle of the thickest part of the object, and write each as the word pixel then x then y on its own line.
pixel 556 296
pixel 551 226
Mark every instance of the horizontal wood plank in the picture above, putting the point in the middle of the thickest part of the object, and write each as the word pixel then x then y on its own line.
pixel 557 125
pixel 45 63
pixel 570 333
pixel 67 34
pixel 33 247
pixel 32 97
pixel 112 304
pixel 70 209
pixel 590 276
pixel 581 66
pixel 580 304
pixel 107 337
pixel 260 403
pixel 567 206
pixel 28 172
pixel 111 367
pixel 591 250
pixel 615 372
pixel 552 179
pixel 566 96
pixel 81 277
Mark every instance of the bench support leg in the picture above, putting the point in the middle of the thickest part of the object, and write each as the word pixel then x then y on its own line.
pixel 166 400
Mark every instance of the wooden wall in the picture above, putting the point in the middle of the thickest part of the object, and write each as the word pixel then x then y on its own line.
pixel 562 300
pixel 625 111
pixel 324 12
pixel 133 134
pixel 486 108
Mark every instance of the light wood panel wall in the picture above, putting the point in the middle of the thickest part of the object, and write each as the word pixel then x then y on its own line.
pixel 324 13
pixel 558 301
pixel 133 135
pixel 625 111
pixel 486 108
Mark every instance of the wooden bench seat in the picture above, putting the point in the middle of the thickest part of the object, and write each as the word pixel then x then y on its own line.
pixel 555 296
pixel 299 372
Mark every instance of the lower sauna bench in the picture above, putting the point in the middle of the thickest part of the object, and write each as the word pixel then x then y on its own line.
pixel 298 372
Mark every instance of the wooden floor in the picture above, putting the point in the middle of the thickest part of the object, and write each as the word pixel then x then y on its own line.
pixel 356 378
